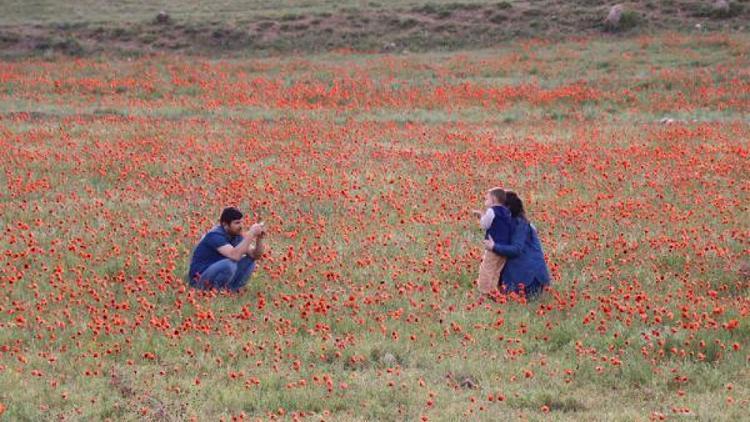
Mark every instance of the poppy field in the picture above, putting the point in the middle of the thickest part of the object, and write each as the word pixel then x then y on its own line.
pixel 632 157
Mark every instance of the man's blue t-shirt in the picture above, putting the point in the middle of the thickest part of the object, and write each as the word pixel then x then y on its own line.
pixel 206 252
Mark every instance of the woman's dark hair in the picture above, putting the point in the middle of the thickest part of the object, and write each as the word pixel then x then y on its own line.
pixel 514 204
pixel 230 214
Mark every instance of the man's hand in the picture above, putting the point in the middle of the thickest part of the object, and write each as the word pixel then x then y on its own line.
pixel 256 230
pixel 264 232
pixel 489 243
pixel 477 213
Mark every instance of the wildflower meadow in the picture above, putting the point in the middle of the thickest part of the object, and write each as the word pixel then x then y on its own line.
pixel 632 156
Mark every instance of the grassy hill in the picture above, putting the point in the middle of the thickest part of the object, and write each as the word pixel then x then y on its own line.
pixel 253 27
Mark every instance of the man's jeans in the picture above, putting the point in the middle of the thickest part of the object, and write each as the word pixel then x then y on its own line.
pixel 226 274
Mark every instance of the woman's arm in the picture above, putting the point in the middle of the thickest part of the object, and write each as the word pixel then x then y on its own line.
pixel 517 240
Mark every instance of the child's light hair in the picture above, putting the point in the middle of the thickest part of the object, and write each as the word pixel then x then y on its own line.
pixel 498 193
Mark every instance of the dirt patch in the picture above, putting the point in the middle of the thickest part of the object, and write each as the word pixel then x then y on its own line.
pixel 426 27
pixel 461 381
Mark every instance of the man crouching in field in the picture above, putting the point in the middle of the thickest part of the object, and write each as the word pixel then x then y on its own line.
pixel 225 257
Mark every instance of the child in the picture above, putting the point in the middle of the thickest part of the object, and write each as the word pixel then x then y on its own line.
pixel 496 223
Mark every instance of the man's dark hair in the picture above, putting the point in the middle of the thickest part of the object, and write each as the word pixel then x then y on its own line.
pixel 499 194
pixel 514 204
pixel 230 214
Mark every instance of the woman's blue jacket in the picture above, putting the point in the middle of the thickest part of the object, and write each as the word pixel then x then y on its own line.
pixel 525 256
